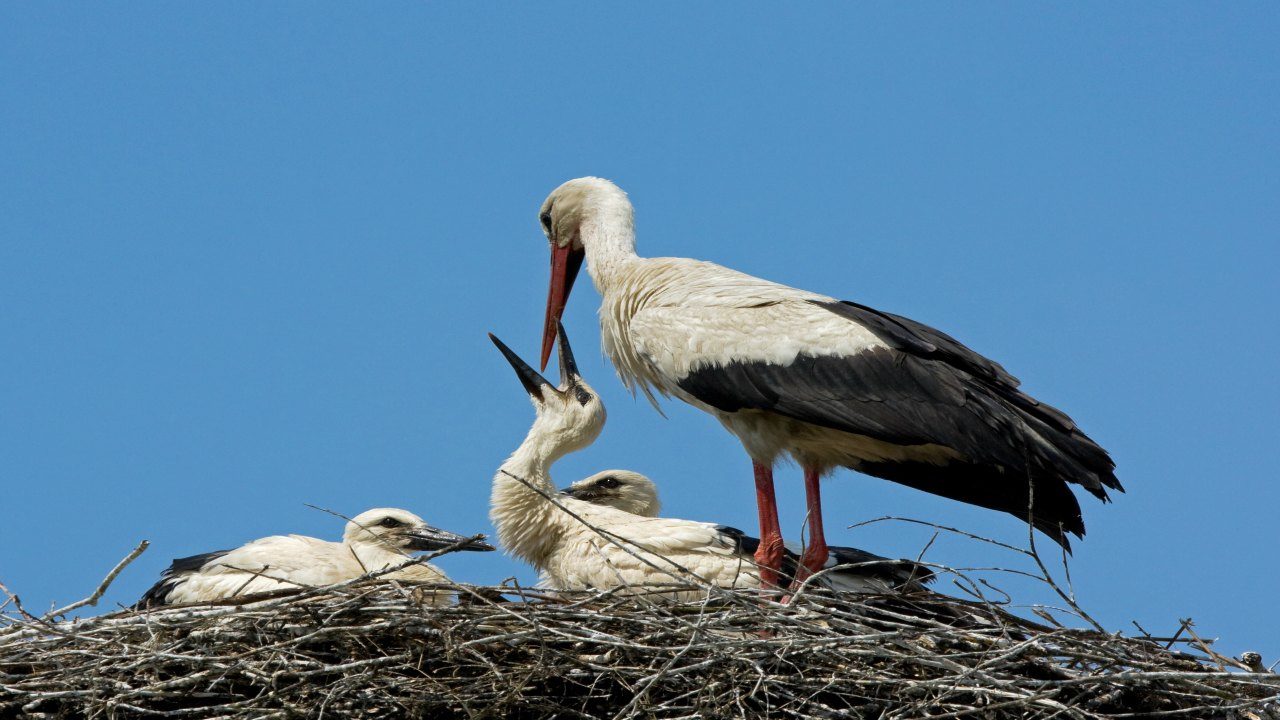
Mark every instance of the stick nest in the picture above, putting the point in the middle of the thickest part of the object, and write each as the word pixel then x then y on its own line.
pixel 382 649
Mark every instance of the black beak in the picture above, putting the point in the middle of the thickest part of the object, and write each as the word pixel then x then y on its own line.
pixel 533 383
pixel 585 494
pixel 429 538
pixel 568 367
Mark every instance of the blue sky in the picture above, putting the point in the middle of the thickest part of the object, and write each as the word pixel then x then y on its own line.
pixel 249 255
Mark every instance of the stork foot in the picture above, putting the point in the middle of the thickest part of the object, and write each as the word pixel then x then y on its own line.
pixel 768 556
pixel 816 551
pixel 768 559
pixel 813 560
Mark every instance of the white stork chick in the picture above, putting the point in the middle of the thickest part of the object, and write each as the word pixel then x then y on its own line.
pixel 374 540
pixel 636 494
pixel 830 383
pixel 594 546
pixel 623 490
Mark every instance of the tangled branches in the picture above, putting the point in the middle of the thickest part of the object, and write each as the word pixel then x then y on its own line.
pixel 381 649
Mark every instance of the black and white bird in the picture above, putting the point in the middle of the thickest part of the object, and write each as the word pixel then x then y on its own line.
pixel 830 383
pixel 373 540
pixel 634 493
pixel 579 545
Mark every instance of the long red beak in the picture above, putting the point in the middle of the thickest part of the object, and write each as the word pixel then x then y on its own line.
pixel 565 264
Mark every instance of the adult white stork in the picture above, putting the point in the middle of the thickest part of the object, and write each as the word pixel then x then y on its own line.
pixel 830 383
pixel 373 540
pixel 634 493
pixel 579 545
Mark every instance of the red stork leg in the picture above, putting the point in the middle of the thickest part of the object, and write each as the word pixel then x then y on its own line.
pixel 815 553
pixel 768 556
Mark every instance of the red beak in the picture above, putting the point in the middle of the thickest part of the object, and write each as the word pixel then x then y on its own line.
pixel 565 264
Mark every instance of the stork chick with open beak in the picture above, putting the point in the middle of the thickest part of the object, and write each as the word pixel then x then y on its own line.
pixel 830 383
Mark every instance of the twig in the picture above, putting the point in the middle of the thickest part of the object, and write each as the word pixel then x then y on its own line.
pixel 102 587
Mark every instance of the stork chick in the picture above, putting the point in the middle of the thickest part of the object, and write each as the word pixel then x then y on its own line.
pixel 624 490
pixel 634 493
pixel 373 540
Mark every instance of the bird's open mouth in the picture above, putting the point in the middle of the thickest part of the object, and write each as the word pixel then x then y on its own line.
pixel 533 382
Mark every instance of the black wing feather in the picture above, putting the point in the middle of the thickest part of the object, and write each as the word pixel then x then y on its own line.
pixel 158 594
pixel 745 544
pixel 927 388
pixel 899 573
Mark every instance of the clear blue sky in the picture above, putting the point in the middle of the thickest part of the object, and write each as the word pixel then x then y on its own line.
pixel 249 254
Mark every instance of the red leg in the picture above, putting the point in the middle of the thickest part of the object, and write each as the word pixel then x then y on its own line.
pixel 815 553
pixel 769 555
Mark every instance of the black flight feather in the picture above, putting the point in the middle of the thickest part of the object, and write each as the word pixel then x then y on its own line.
pixel 895 572
pixel 173 576
pixel 927 388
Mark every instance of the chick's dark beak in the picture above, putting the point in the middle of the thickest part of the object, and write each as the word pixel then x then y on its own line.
pixel 568 367
pixel 533 383
pixel 429 538
pixel 585 494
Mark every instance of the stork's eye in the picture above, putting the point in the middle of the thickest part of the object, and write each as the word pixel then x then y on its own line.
pixel 390 522
pixel 546 221
pixel 609 482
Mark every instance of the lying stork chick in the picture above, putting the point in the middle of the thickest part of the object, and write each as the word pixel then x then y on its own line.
pixel 622 489
pixel 636 494
pixel 374 540
pixel 597 547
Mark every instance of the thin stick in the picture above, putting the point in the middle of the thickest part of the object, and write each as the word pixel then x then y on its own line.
pixel 102 588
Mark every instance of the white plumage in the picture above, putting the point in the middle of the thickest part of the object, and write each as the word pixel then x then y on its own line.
pixel 578 545
pixel 374 540
pixel 829 383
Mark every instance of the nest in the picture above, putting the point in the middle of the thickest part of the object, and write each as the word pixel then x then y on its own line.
pixel 375 648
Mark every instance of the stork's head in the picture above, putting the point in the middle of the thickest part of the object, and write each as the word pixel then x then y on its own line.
pixel 622 489
pixel 584 201
pixel 396 529
pixel 570 415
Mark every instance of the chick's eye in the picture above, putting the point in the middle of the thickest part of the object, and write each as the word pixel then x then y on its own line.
pixel 390 522
pixel 546 221
pixel 609 483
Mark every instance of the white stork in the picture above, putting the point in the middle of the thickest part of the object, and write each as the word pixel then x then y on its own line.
pixel 830 383
pixel 599 547
pixel 624 490
pixel 634 493
pixel 373 540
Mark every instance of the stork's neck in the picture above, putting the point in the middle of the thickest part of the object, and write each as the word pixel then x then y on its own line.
pixel 608 237
pixel 533 459
pixel 520 511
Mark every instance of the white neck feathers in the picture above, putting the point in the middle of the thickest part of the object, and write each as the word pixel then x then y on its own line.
pixel 608 236
pixel 519 511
